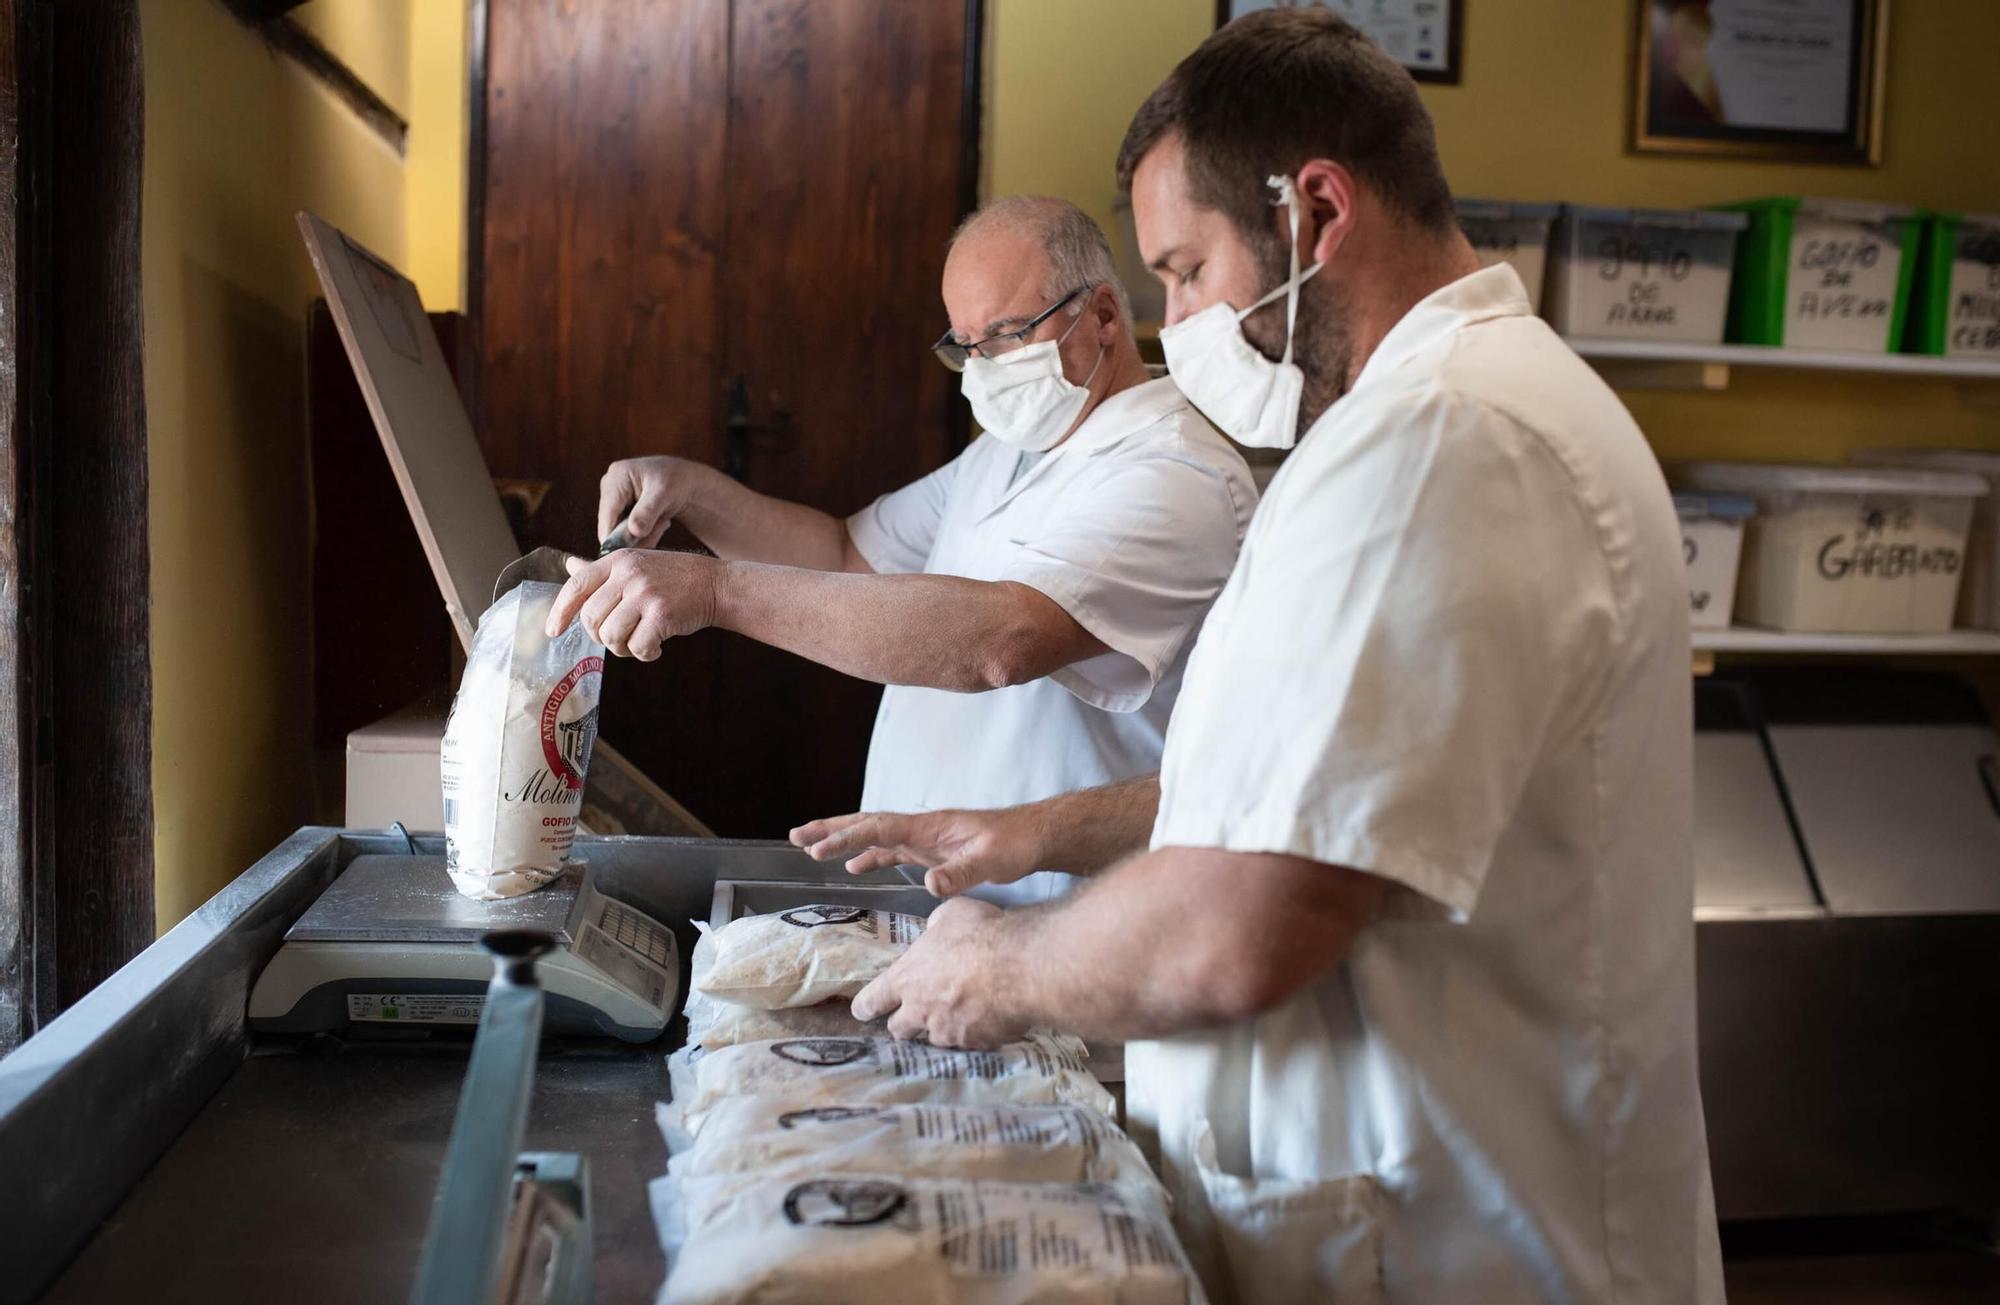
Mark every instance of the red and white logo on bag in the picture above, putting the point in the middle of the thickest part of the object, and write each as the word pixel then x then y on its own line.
pixel 566 744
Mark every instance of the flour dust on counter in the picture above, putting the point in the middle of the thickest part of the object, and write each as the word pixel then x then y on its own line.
pixel 1021 1144
pixel 801 957
pixel 885 1239
pixel 517 746
pixel 1042 1069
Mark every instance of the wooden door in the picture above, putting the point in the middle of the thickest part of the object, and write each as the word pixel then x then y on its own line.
pixel 699 207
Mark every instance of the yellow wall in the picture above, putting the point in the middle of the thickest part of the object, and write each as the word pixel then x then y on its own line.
pixel 1062 80
pixel 1541 114
pixel 237 140
pixel 372 37
pixel 434 168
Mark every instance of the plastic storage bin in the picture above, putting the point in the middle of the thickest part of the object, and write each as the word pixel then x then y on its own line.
pixel 1824 274
pixel 1712 543
pixel 1502 231
pixel 1848 550
pixel 1641 273
pixel 1955 300
pixel 1979 587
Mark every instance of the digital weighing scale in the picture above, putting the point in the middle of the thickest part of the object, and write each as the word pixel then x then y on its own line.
pixel 391 945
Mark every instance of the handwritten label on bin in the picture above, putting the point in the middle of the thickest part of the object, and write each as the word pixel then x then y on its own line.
pixel 1659 283
pixel 1886 543
pixel 1972 327
pixel 1841 289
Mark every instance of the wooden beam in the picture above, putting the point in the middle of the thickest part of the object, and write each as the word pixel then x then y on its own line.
pixel 16 718
pixel 94 835
pixel 284 35
pixel 256 12
pixel 76 815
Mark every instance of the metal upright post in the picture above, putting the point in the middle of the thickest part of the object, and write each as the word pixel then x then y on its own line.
pixel 462 1253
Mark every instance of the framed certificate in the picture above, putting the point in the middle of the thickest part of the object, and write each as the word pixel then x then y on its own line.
pixel 1774 79
pixel 1422 35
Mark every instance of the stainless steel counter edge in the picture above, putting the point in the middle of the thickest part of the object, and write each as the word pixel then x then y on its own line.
pixel 89 1103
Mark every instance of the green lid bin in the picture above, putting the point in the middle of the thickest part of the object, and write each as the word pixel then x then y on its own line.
pixel 1829 274
pixel 1955 303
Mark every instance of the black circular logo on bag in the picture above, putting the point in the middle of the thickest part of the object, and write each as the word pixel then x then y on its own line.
pixel 823 1053
pixel 844 1202
pixel 826 1115
pixel 812 917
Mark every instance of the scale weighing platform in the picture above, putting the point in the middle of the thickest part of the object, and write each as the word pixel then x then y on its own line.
pixel 391 946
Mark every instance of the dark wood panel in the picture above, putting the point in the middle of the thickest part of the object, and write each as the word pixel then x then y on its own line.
pixel 92 824
pixel 596 282
pixel 603 213
pixel 16 721
pixel 844 184
pixel 647 235
pixel 843 188
pixel 369 572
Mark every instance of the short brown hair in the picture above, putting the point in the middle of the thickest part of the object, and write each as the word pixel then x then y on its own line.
pixel 1277 88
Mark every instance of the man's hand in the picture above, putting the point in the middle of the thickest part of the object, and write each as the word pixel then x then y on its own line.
pixel 657 490
pixel 958 849
pixel 632 602
pixel 944 990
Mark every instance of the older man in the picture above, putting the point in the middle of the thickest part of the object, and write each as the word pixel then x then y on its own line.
pixel 1031 603
pixel 1413 943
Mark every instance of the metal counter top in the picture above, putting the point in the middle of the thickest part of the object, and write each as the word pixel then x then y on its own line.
pixel 152 1148
pixel 310 1177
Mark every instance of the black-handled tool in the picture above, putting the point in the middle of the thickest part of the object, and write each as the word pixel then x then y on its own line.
pixel 620 536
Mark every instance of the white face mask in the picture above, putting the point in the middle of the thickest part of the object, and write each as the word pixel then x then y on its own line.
pixel 1022 398
pixel 1251 399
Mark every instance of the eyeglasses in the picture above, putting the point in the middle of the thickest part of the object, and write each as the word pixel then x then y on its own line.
pixel 953 354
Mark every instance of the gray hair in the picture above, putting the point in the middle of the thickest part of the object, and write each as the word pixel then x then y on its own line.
pixel 1079 254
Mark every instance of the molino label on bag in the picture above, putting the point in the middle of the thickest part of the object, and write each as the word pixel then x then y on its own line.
pixel 517 747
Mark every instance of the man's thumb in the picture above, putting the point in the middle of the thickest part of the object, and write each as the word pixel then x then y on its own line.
pixel 950 878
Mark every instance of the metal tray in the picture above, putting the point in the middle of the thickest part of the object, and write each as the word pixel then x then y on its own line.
pixel 735 898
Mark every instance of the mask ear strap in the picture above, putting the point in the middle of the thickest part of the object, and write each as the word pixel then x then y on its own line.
pixel 1288 195
pixel 1102 350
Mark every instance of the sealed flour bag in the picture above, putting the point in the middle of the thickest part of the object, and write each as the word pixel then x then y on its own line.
pixel 1041 1070
pixel 858 1239
pixel 804 956
pixel 714 1023
pixel 1018 1144
pixel 517 746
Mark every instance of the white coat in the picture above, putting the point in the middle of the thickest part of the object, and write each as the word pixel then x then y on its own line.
pixel 1131 526
pixel 1454 655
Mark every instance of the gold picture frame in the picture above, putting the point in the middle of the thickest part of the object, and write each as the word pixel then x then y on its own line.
pixel 1673 112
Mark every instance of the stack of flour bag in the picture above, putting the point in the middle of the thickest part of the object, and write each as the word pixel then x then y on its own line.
pixel 814 1158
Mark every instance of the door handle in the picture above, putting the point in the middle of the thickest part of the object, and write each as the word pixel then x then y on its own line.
pixel 738 431
pixel 1989 775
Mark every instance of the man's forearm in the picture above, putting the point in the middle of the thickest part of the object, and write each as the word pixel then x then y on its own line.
pixel 1173 940
pixel 941 632
pixel 740 524
pixel 1088 830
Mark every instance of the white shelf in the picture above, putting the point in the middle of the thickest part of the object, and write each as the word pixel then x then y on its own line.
pixel 1758 355
pixel 1640 364
pixel 1742 639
